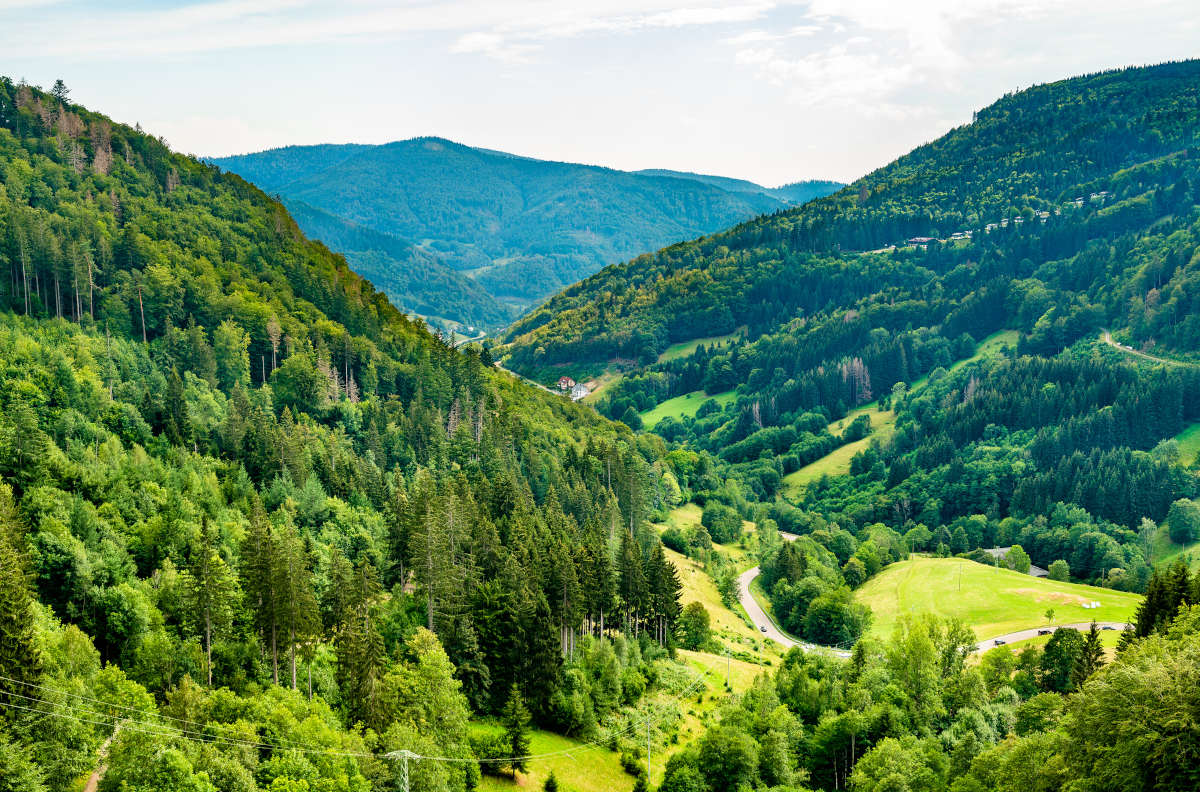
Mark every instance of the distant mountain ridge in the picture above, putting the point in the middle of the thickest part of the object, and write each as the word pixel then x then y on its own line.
pixel 477 236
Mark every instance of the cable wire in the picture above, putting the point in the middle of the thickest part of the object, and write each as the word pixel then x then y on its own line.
pixel 166 730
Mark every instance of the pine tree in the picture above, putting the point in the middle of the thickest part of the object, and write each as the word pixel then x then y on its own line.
pixel 633 582
pixel 258 553
pixel 212 592
pixel 360 649
pixel 515 718
pixel 1091 657
pixel 296 606
pixel 19 657
pixel 434 521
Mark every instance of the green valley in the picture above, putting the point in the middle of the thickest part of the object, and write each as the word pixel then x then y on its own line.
pixel 478 236
pixel 288 515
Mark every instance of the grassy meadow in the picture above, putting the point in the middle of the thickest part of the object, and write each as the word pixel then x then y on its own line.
pixel 683 406
pixel 991 600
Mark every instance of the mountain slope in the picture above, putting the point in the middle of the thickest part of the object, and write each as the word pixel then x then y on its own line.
pixel 400 268
pixel 1061 211
pixel 242 492
pixel 1031 152
pixel 523 228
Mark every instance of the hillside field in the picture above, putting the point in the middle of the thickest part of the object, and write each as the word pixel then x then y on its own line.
pixel 883 422
pixel 685 348
pixel 992 601
pixel 680 406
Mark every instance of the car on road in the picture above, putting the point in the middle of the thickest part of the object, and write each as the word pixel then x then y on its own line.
pixel 1108 627
pixel 999 642
pixel 764 629
pixel 1043 632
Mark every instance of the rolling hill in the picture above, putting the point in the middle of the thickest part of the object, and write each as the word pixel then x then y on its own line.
pixel 520 228
pixel 1126 129
pixel 924 350
pixel 221 454
pixel 990 600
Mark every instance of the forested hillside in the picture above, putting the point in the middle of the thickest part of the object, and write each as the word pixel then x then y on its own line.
pixel 987 344
pixel 257 526
pixel 520 228
pixel 1061 211
pixel 1127 134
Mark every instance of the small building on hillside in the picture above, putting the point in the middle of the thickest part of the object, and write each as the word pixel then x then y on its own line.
pixel 565 383
pixel 1001 554
pixel 578 391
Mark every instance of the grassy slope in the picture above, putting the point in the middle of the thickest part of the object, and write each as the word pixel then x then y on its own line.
pixel 680 406
pixel 883 423
pixel 585 769
pixel 1164 552
pixel 1189 444
pixel 589 768
pixel 837 461
pixel 991 600
pixel 685 348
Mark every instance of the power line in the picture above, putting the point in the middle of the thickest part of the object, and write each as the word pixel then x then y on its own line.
pixel 166 730
pixel 282 745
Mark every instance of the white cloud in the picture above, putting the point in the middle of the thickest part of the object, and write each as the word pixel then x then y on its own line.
pixel 871 51
pixel 215 25
pixel 495 46
pixel 833 77
pixel 759 36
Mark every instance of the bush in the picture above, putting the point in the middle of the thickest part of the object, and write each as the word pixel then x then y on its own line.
pixel 694 626
pixel 1183 518
pixel 723 522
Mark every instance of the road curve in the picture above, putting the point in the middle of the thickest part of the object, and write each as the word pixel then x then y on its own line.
pixel 1021 635
pixel 756 613
pixel 763 622
pixel 1107 338
pixel 767 626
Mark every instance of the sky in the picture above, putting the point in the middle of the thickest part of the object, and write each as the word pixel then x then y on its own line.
pixel 767 90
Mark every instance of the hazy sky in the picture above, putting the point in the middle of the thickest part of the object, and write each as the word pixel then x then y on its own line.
pixel 770 91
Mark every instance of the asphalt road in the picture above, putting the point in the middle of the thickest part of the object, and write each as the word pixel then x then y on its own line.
pixel 1021 635
pixel 770 629
pixel 1108 339
pixel 763 622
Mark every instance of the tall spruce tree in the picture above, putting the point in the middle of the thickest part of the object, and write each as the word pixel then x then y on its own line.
pixel 258 581
pixel 515 718
pixel 19 657
pixel 212 592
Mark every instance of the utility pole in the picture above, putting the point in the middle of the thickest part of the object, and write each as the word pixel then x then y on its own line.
pixel 404 755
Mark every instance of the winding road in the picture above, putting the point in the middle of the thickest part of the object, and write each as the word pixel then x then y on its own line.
pixel 1106 336
pixel 767 626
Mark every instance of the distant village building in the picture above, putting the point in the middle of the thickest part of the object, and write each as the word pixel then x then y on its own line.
pixel 1001 553
pixel 565 383
pixel 921 240
pixel 578 391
